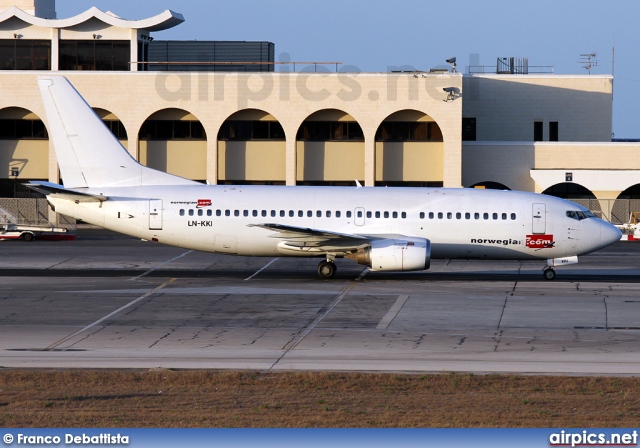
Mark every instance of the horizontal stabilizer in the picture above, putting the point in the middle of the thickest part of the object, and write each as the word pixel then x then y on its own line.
pixel 59 191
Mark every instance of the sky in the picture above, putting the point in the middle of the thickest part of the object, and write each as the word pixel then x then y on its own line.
pixel 376 36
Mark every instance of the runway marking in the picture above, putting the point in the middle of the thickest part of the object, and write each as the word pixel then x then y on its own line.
pixel 162 264
pixel 293 344
pixel 262 269
pixel 392 313
pixel 128 305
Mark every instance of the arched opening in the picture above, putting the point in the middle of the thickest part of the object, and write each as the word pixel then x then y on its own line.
pixel 174 141
pixel 330 149
pixel 576 193
pixel 489 185
pixel 626 208
pixel 24 151
pixel 113 123
pixel 251 149
pixel 409 151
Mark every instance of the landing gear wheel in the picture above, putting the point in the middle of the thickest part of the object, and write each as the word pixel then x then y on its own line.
pixel 549 274
pixel 326 269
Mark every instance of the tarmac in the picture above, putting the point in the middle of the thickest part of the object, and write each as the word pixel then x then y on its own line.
pixel 111 301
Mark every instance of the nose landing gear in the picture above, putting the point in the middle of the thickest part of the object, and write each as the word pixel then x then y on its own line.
pixel 549 273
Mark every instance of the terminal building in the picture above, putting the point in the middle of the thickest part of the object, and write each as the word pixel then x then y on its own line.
pixel 228 113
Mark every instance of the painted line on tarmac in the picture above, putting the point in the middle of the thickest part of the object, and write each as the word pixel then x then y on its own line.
pixel 262 269
pixel 392 313
pixel 113 313
pixel 160 265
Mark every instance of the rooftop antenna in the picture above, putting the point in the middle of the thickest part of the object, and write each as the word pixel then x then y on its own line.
pixel 589 60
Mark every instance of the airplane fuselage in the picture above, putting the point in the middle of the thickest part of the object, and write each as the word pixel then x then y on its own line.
pixel 460 223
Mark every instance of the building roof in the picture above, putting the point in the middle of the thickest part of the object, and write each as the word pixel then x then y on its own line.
pixel 164 20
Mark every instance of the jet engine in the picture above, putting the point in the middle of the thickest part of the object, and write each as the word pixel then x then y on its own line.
pixel 397 254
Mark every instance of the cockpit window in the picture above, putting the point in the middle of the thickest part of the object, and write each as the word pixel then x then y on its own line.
pixel 579 215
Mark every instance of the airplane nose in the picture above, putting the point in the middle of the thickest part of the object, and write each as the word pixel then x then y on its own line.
pixel 609 234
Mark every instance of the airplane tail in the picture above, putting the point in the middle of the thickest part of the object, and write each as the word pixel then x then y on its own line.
pixel 88 153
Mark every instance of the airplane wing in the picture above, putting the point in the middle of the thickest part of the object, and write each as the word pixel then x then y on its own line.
pixel 304 237
pixel 48 188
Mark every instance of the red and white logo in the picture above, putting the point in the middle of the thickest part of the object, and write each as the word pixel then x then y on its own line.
pixel 203 203
pixel 539 241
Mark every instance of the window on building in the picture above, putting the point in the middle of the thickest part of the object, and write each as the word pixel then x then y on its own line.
pixel 103 55
pixel 469 129
pixel 236 130
pixel 117 128
pixel 553 131
pixel 22 129
pixel 402 131
pixel 537 131
pixel 172 130
pixel 25 54
pixel 325 131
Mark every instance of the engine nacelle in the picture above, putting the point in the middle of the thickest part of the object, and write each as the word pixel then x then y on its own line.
pixel 398 254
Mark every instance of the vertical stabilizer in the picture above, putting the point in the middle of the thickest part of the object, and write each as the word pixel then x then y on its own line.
pixel 88 153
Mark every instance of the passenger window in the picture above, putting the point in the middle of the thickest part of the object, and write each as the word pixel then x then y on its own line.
pixel 300 213
pixel 368 214
pixel 200 212
pixel 513 216
pixel 328 215
pixel 338 213
pixel 495 216
pixel 209 212
pixel 227 213
pixel 458 215
pixel 485 215
pixel 440 215
pixel 431 215
pixel 404 215
pixel 467 215
pixel 245 213
pixel 395 215
pixel 377 214
pixel 282 213
pixel 421 215
pixel 190 212
pixel 218 212
pixel 476 215
pixel 236 213
pixel 292 213
pixel 449 215
pixel 273 213
pixel 504 216
pixel 181 212
pixel 254 213
pixel 349 214
pixel 309 214
pixel 264 213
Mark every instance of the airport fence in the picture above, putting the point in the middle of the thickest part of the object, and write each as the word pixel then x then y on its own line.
pixel 32 211
pixel 616 211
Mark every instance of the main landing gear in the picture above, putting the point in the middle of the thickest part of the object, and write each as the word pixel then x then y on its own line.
pixel 327 268
pixel 549 273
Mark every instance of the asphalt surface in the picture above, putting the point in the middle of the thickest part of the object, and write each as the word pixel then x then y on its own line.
pixel 111 301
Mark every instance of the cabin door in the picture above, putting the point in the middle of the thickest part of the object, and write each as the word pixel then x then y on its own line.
pixel 155 214
pixel 539 224
pixel 358 219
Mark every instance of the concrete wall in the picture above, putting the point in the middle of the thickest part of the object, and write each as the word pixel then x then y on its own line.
pixel 290 98
pixel 506 106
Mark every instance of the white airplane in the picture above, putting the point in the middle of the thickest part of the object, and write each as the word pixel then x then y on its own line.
pixel 387 229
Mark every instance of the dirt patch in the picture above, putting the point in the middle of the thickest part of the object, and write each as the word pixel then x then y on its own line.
pixel 167 398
